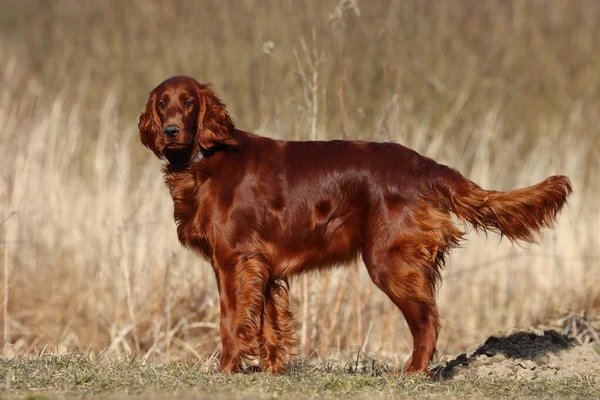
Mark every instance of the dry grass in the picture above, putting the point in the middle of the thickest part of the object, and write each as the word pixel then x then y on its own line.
pixel 507 92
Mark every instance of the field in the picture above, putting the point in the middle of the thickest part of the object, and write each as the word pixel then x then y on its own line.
pixel 104 379
pixel 506 92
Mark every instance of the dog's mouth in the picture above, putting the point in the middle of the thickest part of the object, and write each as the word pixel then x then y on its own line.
pixel 176 146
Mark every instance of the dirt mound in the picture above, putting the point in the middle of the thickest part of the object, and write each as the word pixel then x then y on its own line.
pixel 525 354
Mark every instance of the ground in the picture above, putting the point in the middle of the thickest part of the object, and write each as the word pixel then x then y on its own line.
pixel 524 364
pixel 525 355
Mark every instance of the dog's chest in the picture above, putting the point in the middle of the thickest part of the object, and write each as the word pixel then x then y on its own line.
pixel 190 212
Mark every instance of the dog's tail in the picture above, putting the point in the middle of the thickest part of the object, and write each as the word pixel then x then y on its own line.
pixel 517 214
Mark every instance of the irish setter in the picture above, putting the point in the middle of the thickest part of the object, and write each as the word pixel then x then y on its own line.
pixel 262 210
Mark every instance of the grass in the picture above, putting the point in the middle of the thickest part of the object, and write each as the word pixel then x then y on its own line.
pixel 506 92
pixel 79 376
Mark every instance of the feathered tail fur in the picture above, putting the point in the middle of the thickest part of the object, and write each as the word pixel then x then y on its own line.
pixel 517 214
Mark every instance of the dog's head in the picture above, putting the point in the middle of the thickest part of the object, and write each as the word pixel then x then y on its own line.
pixel 183 117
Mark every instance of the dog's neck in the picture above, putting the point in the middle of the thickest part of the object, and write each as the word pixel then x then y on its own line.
pixel 175 161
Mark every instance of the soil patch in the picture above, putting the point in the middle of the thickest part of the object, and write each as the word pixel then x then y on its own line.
pixel 525 354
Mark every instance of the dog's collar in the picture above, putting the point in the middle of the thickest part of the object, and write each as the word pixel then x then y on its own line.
pixel 207 153
pixel 199 156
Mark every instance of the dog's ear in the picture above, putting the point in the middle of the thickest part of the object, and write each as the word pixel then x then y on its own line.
pixel 214 123
pixel 150 127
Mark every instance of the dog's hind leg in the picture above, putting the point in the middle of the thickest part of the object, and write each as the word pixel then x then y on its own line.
pixel 404 256
pixel 412 289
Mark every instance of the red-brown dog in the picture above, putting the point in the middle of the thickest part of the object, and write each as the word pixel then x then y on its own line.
pixel 262 210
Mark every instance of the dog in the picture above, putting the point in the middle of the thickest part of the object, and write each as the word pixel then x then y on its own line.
pixel 263 210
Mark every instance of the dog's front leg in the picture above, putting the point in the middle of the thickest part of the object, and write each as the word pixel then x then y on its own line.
pixel 277 335
pixel 241 294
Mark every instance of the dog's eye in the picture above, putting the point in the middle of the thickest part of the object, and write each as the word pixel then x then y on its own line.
pixel 188 103
pixel 162 104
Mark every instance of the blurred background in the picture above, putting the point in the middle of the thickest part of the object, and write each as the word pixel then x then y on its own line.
pixel 507 92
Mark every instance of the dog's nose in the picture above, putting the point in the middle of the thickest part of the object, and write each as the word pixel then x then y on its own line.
pixel 171 131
